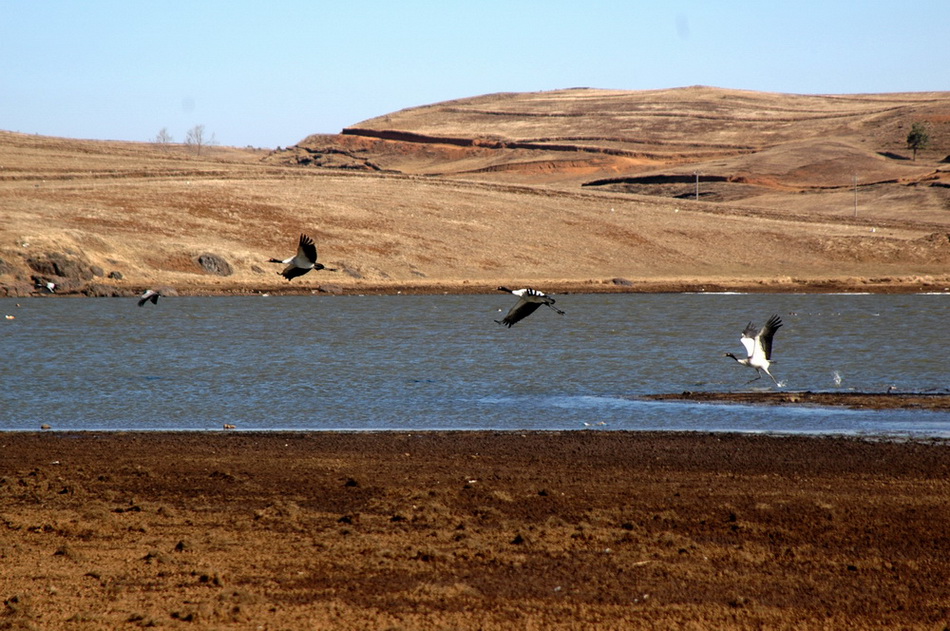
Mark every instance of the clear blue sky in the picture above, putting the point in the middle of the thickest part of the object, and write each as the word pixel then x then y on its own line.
pixel 268 74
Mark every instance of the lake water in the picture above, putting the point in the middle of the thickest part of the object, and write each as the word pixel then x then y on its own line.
pixel 440 362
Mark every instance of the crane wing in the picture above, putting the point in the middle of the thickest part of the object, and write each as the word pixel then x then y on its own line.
pixel 292 271
pixel 306 251
pixel 748 339
pixel 749 345
pixel 148 295
pixel 767 333
pixel 519 312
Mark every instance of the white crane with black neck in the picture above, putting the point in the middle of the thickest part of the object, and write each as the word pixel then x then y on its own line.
pixel 303 261
pixel 758 346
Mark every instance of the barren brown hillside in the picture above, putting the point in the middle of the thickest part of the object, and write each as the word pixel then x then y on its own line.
pixel 568 190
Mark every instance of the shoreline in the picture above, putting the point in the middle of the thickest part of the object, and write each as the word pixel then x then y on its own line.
pixel 375 434
pixel 924 284
pixel 933 401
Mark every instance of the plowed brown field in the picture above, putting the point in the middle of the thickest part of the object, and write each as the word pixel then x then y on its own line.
pixel 469 530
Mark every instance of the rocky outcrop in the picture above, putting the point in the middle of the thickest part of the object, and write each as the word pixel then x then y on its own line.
pixel 325 157
pixel 59 272
pixel 214 264
pixel 55 272
pixel 6 268
pixel 64 266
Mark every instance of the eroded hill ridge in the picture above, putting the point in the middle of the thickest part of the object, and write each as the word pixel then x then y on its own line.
pixel 581 133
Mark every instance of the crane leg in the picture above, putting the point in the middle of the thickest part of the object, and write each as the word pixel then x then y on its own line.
pixel 758 376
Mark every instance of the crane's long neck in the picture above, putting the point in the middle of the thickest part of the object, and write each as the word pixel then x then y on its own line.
pixel 742 360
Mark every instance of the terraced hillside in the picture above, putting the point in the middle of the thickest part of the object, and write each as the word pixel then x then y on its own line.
pixel 749 147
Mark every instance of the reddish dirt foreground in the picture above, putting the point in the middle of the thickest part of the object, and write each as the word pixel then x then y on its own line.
pixel 472 530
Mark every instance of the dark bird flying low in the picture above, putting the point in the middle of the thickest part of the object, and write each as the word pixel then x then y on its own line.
pixel 528 303
pixel 149 295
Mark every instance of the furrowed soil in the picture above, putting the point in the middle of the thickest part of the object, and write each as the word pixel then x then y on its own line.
pixel 472 530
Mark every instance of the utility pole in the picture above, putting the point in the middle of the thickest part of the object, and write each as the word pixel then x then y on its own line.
pixel 696 173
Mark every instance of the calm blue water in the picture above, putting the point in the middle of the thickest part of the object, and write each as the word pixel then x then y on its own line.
pixel 440 362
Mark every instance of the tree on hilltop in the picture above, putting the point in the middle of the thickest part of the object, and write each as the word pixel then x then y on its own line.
pixel 196 138
pixel 163 139
pixel 918 138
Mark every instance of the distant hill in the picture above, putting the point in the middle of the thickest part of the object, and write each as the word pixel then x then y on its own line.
pixel 749 146
pixel 572 190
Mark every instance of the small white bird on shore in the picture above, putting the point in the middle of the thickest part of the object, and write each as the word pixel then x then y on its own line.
pixel 303 261
pixel 758 346
pixel 530 300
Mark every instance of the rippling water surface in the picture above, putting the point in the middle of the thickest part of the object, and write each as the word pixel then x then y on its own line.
pixel 440 362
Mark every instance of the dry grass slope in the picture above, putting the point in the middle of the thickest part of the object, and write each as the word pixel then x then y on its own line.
pixel 568 190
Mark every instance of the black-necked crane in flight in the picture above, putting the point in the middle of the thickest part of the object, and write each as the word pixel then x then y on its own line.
pixel 758 346
pixel 303 261
pixel 149 295
pixel 529 301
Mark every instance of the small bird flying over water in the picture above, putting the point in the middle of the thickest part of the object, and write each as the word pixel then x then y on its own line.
pixel 149 295
pixel 758 346
pixel 303 261
pixel 530 300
